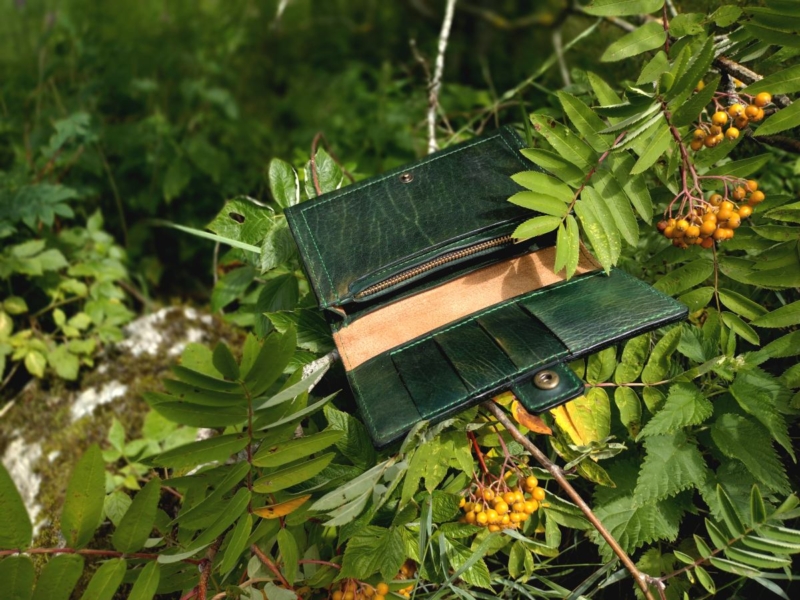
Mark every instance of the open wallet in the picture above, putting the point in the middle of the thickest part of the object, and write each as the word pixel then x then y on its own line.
pixel 435 308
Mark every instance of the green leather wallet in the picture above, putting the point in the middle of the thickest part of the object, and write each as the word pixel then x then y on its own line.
pixel 433 306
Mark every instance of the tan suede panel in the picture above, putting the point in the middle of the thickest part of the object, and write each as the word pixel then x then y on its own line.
pixel 409 318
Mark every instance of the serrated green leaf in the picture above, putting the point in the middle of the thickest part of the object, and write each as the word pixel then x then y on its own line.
pixel 757 559
pixel 193 394
pixel 552 162
pixel 787 212
pixel 295 416
pixel 768 545
pixel 742 168
pixel 785 316
pixel 741 305
pixel 135 526
pixel 567 247
pixel 236 543
pixel 773 36
pixel 546 205
pixel 736 568
pixel 785 81
pixel 284 184
pixel 16 530
pixel 193 377
pixel 697 299
pixel 647 37
pixel 659 144
pixel 58 577
pixel 685 277
pixel 685 406
pixel 16 576
pixel 214 449
pixel 741 328
pixel 147 582
pixel 686 114
pixel 588 124
pixel 644 115
pixel 284 478
pixel 198 515
pixel 618 205
pixel 729 512
pixel 351 490
pixel 275 354
pixel 622 8
pixel 106 580
pixel 275 455
pixel 195 415
pixel 224 361
pixel 673 463
pixel 653 69
pixel 290 554
pixel 758 512
pixel 293 390
pixel 83 501
pixel 568 145
pixel 373 550
pixel 535 227
pixel 658 364
pixel 687 80
pixel 600 226
pixel 633 185
pixel 543 184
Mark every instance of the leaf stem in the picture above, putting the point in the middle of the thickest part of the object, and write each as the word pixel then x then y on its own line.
pixel 270 565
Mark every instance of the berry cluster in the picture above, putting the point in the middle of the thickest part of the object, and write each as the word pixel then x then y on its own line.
pixel 351 589
pixel 505 508
pixel 732 121
pixel 714 219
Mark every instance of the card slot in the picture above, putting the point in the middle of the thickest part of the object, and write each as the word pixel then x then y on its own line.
pixel 523 338
pixel 430 379
pixel 383 399
pixel 476 358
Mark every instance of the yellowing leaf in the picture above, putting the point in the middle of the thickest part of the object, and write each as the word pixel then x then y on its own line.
pixel 529 421
pixel 505 398
pixel 274 511
pixel 586 419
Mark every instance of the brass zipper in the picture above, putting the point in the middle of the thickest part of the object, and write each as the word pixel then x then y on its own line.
pixel 433 264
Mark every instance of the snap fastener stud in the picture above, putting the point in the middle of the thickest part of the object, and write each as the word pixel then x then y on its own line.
pixel 546 380
pixel 407 177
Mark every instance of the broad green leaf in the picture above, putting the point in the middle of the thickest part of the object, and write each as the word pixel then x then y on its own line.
pixel 685 277
pixel 673 464
pixel 348 512
pixel 634 185
pixel 58 577
pixel 83 501
pixel 741 328
pixel 601 365
pixel 35 363
pixel 760 394
pixel 224 361
pixel 535 227
pixel 785 316
pixel 147 582
pixel 685 24
pixel 544 184
pixel 214 449
pixel 698 298
pixel 785 81
pixel 622 8
pixel 552 162
pixel 373 550
pixel 284 184
pixel 236 544
pixel 785 118
pixel 647 37
pixel 787 212
pixel 16 577
pixel 15 525
pixel 564 141
pixel 290 554
pixel 686 114
pixel 567 247
pixel 630 409
pixel 739 438
pixel 741 305
pixel 588 124
pixel 742 168
pixel 773 36
pixel 194 414
pixel 685 406
pixel 284 478
pixel 135 527
pixel 275 455
pixel 106 580
pixel 653 69
pixel 351 489
pixel 194 377
pixel 725 16
pixel 276 352
pixel 546 205
pixel 241 220
pixel 634 355
pixel 355 444
pixel 329 174
pixel 618 205
pixel 657 365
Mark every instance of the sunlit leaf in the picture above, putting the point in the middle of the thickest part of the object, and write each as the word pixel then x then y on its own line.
pixel 83 502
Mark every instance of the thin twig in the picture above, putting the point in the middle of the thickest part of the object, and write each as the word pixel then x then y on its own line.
pixel 640 578
pixel 270 565
pixel 205 569
pixel 558 46
pixel 438 70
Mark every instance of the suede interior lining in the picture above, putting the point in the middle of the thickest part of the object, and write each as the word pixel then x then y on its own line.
pixel 414 316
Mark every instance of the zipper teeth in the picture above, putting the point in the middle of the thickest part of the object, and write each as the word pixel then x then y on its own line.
pixel 432 264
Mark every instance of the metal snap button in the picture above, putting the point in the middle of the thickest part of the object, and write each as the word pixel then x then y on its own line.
pixel 546 380
pixel 407 177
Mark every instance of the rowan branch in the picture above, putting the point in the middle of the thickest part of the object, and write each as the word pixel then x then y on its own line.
pixel 641 579
pixel 436 80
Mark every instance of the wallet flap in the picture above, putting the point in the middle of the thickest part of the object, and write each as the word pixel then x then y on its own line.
pixel 369 232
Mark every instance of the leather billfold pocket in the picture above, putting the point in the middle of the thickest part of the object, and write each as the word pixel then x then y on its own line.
pixel 433 306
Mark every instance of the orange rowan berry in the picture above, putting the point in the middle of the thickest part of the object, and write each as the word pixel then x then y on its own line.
pixel 732 133
pixel 707 243
pixel 708 228
pixel 531 482
pixel 759 116
pixel 710 141
pixel 699 134
pixel 501 507
pixel 745 211
pixel 715 199
pixel 509 498
pixel 719 234
pixel 763 99
pixel 734 221
pixel 382 588
pixel 682 225
pixel 726 205
pixel 751 185
pixel 719 118
pixel 741 122
pixel 538 494
pixel 739 193
pixel 756 197
pixel 751 112
pixel 696 145
pixel 693 232
pixel 669 232
pixel 735 110
pixel 715 130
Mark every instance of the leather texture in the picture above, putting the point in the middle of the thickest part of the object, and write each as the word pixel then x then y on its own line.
pixel 355 237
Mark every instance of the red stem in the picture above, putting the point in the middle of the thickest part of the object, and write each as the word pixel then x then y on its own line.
pixel 478 452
